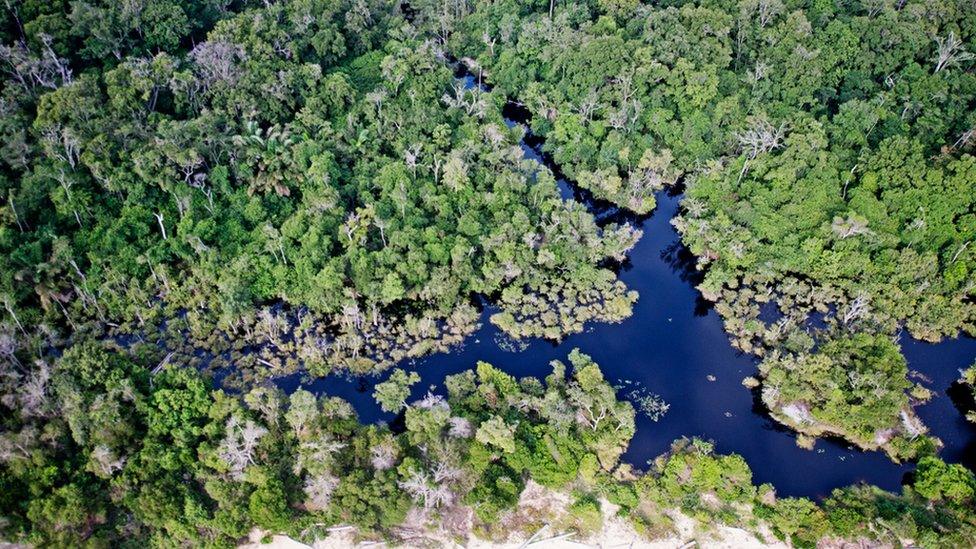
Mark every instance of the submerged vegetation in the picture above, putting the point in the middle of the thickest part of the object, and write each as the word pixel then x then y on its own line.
pixel 968 381
pixel 109 452
pixel 234 190
pixel 826 150
pixel 304 180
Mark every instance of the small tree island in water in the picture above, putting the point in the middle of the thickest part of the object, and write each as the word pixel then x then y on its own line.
pixel 207 206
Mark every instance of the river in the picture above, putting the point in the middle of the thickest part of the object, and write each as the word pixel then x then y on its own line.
pixel 674 346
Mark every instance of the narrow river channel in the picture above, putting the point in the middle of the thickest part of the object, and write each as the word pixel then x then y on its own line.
pixel 674 346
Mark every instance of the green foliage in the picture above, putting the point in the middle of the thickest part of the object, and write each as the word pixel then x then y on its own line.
pixel 271 180
pixel 497 490
pixel 268 507
pixel 968 380
pixel 870 408
pixel 392 394
pixel 199 466
pixel 587 518
pixel 262 187
pixel 703 483
pixel 828 168
pixel 371 501
pixel 867 511
pixel 799 521
pixel 940 481
pixel 497 433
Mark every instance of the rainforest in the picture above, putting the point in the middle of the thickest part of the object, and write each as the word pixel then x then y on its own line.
pixel 455 272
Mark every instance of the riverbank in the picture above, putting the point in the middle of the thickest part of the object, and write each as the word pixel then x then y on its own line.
pixel 612 536
pixel 615 532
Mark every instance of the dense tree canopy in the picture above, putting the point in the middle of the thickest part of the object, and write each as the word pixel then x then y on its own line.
pixel 197 196
pixel 309 179
pixel 826 150
pixel 870 406
pixel 101 452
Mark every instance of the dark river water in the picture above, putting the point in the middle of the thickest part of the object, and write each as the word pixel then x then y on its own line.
pixel 674 346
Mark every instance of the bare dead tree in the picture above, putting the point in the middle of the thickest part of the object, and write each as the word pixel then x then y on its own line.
pixel 494 135
pixel 319 489
pixel 274 242
pixel 459 427
pixel 759 71
pixel 383 456
pixel 912 424
pixel 33 392
pixel 588 105
pixel 218 61
pixel 410 155
pixel 694 207
pixel 874 7
pixel 850 226
pixel 313 453
pixel 466 100
pixel 966 139
pixel 30 70
pixel 950 51
pixel 57 64
pixel 351 315
pixel 431 402
pixel 427 491
pixel 18 444
pixel 761 137
pixel 9 345
pixel 960 251
pixel 60 143
pixel 445 472
pixel 159 219
pixel 767 10
pixel 106 461
pixel 654 172
pixel 859 308
pixel 488 41
pixel 8 305
pixel 12 8
pixel 240 441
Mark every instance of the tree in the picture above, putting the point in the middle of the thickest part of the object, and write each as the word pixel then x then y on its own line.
pixel 239 444
pixel 67 515
pixel 303 413
pixel 866 374
pixel 496 432
pixel 176 415
pixel 392 394
pixel 392 288
pixel 609 422
pixel 950 52
pixel 937 481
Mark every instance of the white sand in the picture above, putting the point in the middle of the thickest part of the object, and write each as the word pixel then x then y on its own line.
pixel 616 533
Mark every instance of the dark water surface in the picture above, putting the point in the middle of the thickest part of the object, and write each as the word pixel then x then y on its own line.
pixel 674 346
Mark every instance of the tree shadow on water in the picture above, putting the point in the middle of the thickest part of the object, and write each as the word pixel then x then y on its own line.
pixel 684 264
